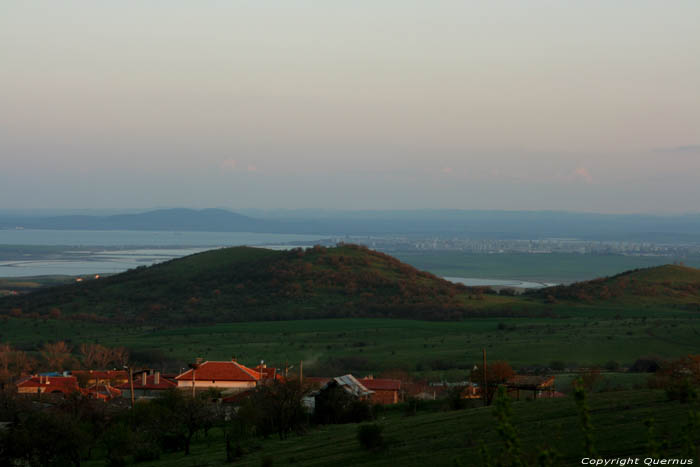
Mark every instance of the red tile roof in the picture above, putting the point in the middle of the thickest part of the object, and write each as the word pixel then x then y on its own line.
pixel 221 371
pixel 103 391
pixel 530 381
pixel 268 372
pixel 164 383
pixel 64 384
pixel 379 384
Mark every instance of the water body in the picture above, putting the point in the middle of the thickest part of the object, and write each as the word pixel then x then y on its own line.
pixel 477 282
pixel 125 249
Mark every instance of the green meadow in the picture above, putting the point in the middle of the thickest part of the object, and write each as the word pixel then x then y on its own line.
pixel 427 348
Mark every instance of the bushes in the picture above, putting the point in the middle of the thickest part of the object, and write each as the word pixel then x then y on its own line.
pixel 646 365
pixel 370 435
pixel 146 451
pixel 680 378
pixel 335 405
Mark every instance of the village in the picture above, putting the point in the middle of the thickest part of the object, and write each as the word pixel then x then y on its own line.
pixel 233 382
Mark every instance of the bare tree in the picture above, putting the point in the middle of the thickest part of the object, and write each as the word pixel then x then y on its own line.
pixel 56 355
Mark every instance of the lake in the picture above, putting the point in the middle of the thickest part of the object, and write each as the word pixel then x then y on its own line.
pixel 478 282
pixel 116 251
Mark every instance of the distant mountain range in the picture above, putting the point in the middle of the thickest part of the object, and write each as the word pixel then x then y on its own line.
pixel 477 224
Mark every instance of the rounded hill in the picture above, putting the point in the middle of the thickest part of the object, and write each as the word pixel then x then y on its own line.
pixel 669 284
pixel 244 284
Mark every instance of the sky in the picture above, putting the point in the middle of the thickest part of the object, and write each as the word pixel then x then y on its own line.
pixel 518 105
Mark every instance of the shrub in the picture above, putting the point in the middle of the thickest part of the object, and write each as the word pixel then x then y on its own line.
pixel 455 400
pixel 646 365
pixel 146 451
pixel 413 405
pixel 370 435
pixel 557 365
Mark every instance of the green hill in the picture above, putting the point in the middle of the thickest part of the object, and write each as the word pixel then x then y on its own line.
pixel 252 284
pixel 663 285
pixel 256 284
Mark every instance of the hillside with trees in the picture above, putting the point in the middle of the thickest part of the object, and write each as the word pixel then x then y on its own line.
pixel 676 286
pixel 254 284
pixel 349 281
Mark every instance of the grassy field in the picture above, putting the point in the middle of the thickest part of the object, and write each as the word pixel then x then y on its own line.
pixel 427 348
pixel 449 438
pixel 555 267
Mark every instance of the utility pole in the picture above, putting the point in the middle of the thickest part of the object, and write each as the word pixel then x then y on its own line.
pixel 286 369
pixel 194 367
pixel 131 385
pixel 485 388
pixel 301 371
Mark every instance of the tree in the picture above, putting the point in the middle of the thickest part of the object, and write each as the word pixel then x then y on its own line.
pixel 497 373
pixel 185 416
pixel 237 427
pixel 13 363
pixel 280 407
pixel 56 355
pixel 62 440
pixel 680 378
pixel 99 356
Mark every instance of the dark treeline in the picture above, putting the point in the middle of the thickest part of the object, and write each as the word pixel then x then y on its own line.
pixel 75 428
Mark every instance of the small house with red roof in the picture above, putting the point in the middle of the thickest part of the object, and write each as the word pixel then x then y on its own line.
pixel 147 386
pixel 40 384
pixel 386 391
pixel 222 375
pixel 541 386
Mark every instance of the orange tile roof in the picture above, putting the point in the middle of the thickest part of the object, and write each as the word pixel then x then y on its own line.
pixel 221 371
pixel 103 391
pixel 380 384
pixel 530 381
pixel 66 384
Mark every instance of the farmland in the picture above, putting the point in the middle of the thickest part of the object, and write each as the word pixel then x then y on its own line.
pixel 448 438
pixel 431 349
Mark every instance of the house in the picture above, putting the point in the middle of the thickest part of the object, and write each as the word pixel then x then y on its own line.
pixel 147 386
pixel 351 385
pixel 348 383
pixel 40 384
pixel 92 377
pixel 103 392
pixel 268 373
pixel 227 375
pixel 385 391
pixel 541 386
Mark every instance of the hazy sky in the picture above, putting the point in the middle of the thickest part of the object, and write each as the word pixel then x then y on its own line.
pixel 576 105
